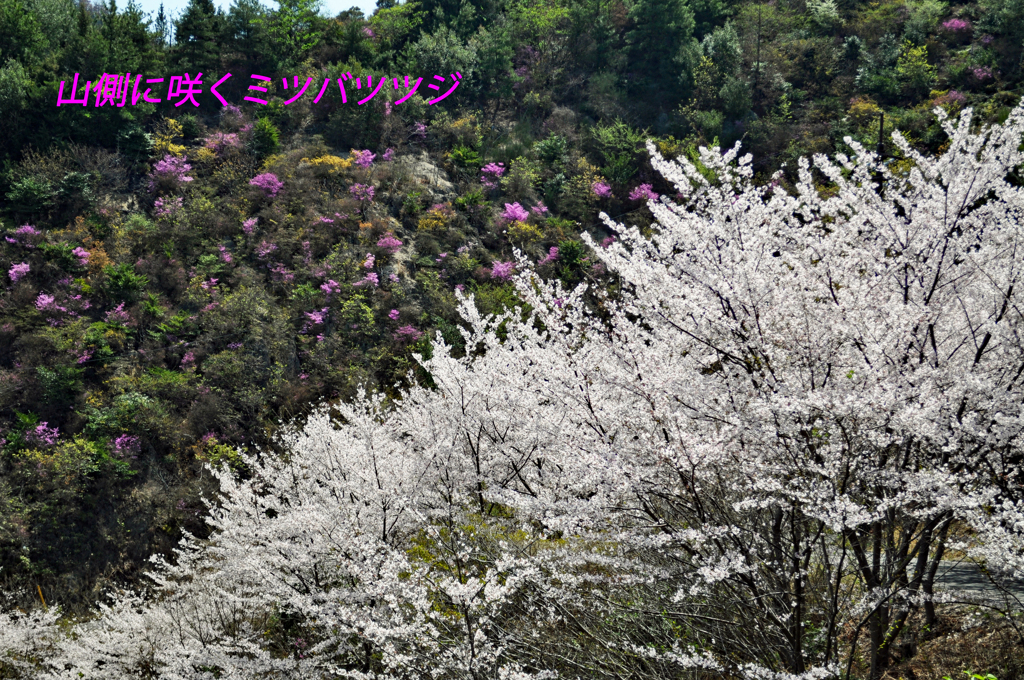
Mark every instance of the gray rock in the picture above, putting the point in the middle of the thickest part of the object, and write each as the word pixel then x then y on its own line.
pixel 424 173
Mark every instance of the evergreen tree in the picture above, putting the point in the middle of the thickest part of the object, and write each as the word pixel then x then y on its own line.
pixel 295 28
pixel 196 37
pixel 244 34
pixel 128 40
pixel 661 31
pixel 160 27
pixel 20 34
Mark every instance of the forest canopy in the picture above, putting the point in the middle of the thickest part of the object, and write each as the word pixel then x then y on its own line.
pixel 188 287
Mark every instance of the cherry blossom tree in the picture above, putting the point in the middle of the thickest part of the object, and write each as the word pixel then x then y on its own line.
pixel 797 404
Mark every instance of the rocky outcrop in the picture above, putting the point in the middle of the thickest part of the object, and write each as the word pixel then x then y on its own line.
pixel 423 172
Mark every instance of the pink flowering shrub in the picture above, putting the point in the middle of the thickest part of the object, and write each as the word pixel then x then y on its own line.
pixel 118 316
pixel 419 131
pixel 552 256
pixel 502 271
pixel 62 303
pixel 281 273
pixel 601 190
pixel 957 25
pixel 368 263
pixel 492 172
pixel 168 207
pixel 330 287
pixel 643 193
pixel 364 158
pixel 169 174
pixel 221 141
pixel 408 334
pixel 389 243
pixel 127 446
pixel 515 213
pixel 953 99
pixel 370 278
pixel 17 271
pixel 42 436
pixel 268 183
pixel 362 192
pixel 45 303
pixel 224 254
pixel 315 318
pixel 389 153
pixel 539 209
pixel 393 315
pixel 25 236
pixel 264 249
pixel 982 72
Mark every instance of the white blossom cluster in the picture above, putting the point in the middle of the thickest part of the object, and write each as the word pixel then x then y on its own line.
pixel 793 407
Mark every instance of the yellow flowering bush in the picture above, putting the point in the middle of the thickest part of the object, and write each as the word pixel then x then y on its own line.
pixel 523 232
pixel 204 155
pixel 437 218
pixel 863 110
pixel 163 139
pixel 327 164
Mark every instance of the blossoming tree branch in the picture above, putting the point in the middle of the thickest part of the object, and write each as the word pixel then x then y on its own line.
pixel 799 404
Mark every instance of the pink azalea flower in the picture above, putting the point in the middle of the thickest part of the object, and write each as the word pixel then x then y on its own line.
pixel 17 271
pixel 268 182
pixel 515 212
pixel 643 192
pixel 502 271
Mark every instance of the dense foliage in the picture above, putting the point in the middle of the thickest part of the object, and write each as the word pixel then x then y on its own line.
pixel 798 405
pixel 181 281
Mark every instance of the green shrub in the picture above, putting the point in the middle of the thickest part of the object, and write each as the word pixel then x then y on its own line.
pixel 31 196
pixel 570 252
pixel 465 158
pixel 412 204
pixel 77 188
pixel 552 150
pixel 61 384
pixel 473 198
pixel 620 168
pixel 62 255
pixel 522 177
pixel 191 128
pixel 135 144
pixel 123 283
pixel 618 141
pixel 265 138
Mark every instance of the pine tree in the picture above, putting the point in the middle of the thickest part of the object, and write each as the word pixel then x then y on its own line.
pixel 661 30
pixel 161 28
pixel 196 37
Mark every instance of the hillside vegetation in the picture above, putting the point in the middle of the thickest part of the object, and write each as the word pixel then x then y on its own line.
pixel 181 281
